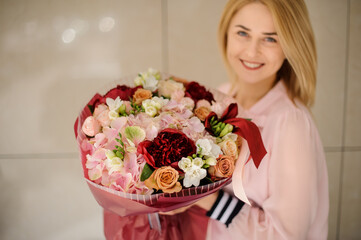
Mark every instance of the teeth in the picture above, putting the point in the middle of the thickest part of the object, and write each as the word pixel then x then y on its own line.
pixel 251 65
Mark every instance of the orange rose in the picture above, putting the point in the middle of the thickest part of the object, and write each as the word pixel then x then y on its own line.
pixel 224 167
pixel 165 179
pixel 202 113
pixel 141 94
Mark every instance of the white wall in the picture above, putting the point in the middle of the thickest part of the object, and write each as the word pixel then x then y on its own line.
pixel 47 73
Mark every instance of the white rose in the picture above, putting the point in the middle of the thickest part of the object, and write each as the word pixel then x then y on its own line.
pixel 211 161
pixel 150 110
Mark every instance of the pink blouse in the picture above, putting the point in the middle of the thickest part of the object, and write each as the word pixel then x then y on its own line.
pixel 289 190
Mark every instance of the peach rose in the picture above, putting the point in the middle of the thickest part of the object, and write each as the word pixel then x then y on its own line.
pixel 141 94
pixel 202 113
pixel 165 179
pixel 224 167
pixel 167 87
pixel 91 126
pixel 177 95
pixel 229 148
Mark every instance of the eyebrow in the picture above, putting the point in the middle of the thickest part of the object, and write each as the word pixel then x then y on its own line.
pixel 264 33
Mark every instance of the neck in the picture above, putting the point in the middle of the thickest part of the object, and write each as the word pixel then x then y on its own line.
pixel 248 94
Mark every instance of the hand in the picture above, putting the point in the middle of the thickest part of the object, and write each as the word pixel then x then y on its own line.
pixel 206 203
pixel 177 211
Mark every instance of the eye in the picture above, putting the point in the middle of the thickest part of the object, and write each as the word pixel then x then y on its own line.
pixel 242 33
pixel 270 39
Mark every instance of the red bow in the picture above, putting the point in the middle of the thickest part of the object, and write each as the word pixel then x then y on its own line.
pixel 244 128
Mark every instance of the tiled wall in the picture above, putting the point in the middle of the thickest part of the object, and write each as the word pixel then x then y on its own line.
pixel 55 54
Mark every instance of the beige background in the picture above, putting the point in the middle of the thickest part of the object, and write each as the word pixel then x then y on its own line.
pixel 54 55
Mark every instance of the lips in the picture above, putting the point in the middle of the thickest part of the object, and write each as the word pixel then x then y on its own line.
pixel 251 65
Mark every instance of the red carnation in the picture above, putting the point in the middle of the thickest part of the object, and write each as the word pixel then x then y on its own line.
pixel 167 148
pixel 197 92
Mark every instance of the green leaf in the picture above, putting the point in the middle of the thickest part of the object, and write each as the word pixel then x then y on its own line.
pixel 147 171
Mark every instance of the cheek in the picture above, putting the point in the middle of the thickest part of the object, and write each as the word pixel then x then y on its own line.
pixel 233 48
pixel 277 57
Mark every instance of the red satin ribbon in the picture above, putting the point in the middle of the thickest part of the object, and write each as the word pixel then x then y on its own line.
pixel 244 128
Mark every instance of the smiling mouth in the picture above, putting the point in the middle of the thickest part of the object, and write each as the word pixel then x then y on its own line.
pixel 251 66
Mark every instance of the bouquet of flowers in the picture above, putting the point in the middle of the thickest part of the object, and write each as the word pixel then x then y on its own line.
pixel 160 144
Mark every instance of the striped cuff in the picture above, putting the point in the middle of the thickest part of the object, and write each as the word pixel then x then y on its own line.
pixel 225 208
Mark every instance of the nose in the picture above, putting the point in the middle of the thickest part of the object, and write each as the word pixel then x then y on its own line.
pixel 253 48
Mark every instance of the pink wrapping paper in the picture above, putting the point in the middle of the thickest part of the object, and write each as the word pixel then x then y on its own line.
pixel 124 210
pixel 124 204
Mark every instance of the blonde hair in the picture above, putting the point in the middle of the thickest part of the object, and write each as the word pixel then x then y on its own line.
pixel 296 37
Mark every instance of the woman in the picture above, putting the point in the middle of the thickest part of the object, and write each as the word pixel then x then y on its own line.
pixel 269 50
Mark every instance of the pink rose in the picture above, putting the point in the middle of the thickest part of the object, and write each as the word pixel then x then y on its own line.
pixel 101 114
pixel 99 109
pixel 203 103
pixel 128 106
pixel 91 126
pixel 103 118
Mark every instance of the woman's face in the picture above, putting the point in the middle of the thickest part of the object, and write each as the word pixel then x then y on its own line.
pixel 253 48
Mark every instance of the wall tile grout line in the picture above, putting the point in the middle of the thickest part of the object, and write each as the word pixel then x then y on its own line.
pixel 343 149
pixel 165 58
pixel 343 140
pixel 40 155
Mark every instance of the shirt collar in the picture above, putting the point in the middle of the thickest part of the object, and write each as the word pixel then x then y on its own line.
pixel 258 111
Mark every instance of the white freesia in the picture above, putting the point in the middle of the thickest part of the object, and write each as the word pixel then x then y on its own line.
pixel 198 162
pixel 204 146
pixel 194 176
pixel 114 104
pixel 149 79
pixel 185 164
pixel 208 148
pixel 216 151
pixel 193 171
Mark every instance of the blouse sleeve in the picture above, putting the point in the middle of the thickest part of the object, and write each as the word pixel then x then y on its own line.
pixel 291 206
